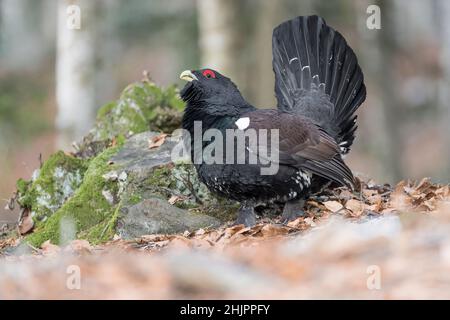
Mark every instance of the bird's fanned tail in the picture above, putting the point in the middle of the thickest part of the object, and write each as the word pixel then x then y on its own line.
pixel 317 75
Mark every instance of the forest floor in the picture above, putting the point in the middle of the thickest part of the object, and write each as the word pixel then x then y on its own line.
pixel 381 243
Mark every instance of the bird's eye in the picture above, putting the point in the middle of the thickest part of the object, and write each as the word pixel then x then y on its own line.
pixel 209 74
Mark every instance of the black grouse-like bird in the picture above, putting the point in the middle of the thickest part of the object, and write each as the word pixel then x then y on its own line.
pixel 318 86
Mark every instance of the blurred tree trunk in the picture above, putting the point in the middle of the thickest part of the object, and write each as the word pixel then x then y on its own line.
pixel 261 78
pixel 444 88
pixel 385 141
pixel 392 152
pixel 108 50
pixel 219 35
pixel 75 72
pixel 24 33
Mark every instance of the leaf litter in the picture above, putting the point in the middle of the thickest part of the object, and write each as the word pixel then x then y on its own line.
pixel 404 230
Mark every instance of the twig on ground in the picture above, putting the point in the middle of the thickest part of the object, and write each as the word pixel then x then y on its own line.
pixel 187 182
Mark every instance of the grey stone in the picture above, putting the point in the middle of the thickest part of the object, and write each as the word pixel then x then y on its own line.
pixel 156 215
pixel 152 213
pixel 137 159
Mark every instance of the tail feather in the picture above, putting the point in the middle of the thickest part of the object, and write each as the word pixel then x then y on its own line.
pixel 317 75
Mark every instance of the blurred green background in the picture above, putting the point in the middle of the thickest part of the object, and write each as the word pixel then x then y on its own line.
pixel 52 78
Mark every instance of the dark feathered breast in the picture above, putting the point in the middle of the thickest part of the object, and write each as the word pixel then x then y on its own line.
pixel 245 183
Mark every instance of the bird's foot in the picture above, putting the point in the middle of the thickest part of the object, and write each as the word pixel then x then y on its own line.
pixel 246 216
pixel 293 209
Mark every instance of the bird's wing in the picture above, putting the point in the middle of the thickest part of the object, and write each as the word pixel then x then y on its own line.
pixel 301 144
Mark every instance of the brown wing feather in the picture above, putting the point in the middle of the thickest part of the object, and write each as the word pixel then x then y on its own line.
pixel 304 145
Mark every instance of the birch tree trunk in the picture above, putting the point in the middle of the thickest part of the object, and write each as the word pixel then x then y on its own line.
pixel 219 35
pixel 75 71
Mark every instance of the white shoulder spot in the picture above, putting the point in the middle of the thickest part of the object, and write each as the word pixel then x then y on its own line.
pixel 243 123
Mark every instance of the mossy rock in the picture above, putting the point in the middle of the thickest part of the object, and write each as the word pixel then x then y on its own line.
pixel 142 106
pixel 51 185
pixel 180 180
pixel 124 179
pixel 99 191
pixel 87 211
pixel 151 172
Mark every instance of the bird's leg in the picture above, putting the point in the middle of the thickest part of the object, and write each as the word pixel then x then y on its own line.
pixel 246 215
pixel 293 209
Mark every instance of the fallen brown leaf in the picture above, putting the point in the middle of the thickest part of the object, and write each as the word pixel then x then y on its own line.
pixel 10 242
pixel 272 230
pixel 200 232
pixel 250 230
pixel 443 192
pixel 369 193
pixel 333 206
pixel 49 248
pixel 180 242
pixel 297 223
pixel 229 232
pixel 174 199
pixel 26 224
pixel 314 204
pixel 113 142
pixel 79 246
pixel 157 141
pixel 356 207
pixel 345 194
pixel 310 222
pixel 375 199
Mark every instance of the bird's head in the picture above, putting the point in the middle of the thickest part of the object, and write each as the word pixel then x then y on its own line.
pixel 207 88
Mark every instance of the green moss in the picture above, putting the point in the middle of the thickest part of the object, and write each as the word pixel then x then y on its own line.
pixel 103 231
pixel 181 179
pixel 120 139
pixel 142 106
pixel 87 208
pixel 222 209
pixel 134 199
pixel 160 177
pixel 104 110
pixel 22 186
pixel 56 181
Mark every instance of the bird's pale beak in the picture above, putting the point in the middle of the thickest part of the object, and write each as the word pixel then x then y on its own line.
pixel 187 75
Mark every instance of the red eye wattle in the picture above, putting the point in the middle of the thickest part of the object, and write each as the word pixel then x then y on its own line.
pixel 209 74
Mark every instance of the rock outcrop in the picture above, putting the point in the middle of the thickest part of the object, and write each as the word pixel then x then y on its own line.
pixel 115 184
